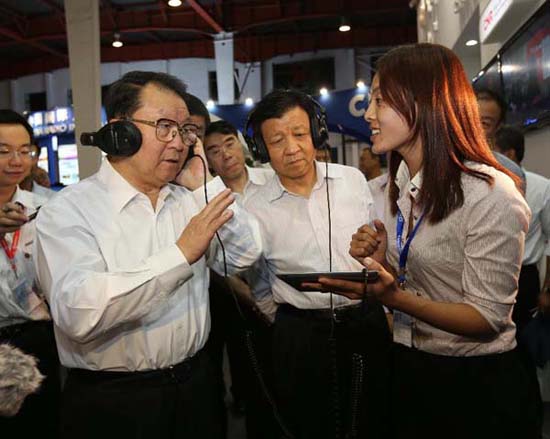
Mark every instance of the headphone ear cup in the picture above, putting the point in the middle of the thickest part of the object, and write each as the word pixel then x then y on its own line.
pixel 256 145
pixel 263 153
pixel 120 138
pixel 319 128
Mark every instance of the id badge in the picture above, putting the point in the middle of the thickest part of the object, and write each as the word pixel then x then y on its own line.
pixel 402 328
pixel 21 293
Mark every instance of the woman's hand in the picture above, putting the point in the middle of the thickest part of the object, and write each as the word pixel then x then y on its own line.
pixel 382 289
pixel 12 217
pixel 368 242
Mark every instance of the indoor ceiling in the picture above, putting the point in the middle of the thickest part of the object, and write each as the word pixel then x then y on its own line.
pixel 33 37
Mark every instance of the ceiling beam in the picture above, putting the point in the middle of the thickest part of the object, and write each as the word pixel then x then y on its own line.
pixel 205 15
pixel 37 45
pixel 108 7
pixel 55 6
pixel 162 10
pixel 20 20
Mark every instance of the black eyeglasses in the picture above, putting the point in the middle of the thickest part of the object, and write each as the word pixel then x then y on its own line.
pixel 166 130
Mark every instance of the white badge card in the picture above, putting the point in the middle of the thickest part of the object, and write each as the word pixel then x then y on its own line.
pixel 402 328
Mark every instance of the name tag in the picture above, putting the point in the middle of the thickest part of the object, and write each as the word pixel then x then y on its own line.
pixel 402 328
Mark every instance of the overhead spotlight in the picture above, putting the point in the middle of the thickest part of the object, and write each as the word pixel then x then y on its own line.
pixel 470 43
pixel 361 85
pixel 344 25
pixel 116 40
pixel 481 73
pixel 249 102
pixel 323 92
pixel 174 3
pixel 210 104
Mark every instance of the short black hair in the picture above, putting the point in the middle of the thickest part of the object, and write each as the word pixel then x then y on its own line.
pixel 197 108
pixel 509 138
pixel 10 117
pixel 486 94
pixel 123 96
pixel 277 103
pixel 221 127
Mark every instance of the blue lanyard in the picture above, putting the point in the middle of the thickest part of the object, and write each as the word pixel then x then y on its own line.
pixel 404 249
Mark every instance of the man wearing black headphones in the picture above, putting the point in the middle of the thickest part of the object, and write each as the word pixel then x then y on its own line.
pixel 123 258
pixel 330 353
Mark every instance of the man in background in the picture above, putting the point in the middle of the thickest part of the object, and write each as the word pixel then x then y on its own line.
pixel 226 157
pixel 510 142
pixel 492 112
pixel 38 180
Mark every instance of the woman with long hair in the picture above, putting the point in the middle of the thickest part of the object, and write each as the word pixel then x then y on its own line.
pixel 448 255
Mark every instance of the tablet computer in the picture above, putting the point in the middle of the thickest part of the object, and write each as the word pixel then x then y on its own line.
pixel 297 279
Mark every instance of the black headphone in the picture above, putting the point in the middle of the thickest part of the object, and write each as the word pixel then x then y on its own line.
pixel 120 138
pixel 317 123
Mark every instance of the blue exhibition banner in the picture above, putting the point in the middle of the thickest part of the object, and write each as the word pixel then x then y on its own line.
pixel 58 121
pixel 345 113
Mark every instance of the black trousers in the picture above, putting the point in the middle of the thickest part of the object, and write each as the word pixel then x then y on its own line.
pixel 527 298
pixel 39 415
pixel 178 402
pixel 229 329
pixel 316 392
pixel 491 396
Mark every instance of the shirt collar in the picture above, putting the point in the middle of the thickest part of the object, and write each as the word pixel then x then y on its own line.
pixel 277 190
pixel 253 176
pixel 404 182
pixel 120 190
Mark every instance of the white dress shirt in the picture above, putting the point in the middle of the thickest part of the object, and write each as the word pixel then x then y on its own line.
pixel 377 188
pixel 472 256
pixel 295 230
pixel 20 297
pixel 538 199
pixel 257 177
pixel 122 295
pixel 42 191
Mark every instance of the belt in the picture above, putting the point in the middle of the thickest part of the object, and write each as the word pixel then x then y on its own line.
pixel 178 372
pixel 340 314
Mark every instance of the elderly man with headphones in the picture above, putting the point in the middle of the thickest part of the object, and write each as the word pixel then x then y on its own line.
pixel 123 258
pixel 330 353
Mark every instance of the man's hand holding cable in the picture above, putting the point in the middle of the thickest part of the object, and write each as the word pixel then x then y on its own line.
pixel 195 238
pixel 192 176
pixel 12 217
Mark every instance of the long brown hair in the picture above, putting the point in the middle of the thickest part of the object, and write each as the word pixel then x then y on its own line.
pixel 427 85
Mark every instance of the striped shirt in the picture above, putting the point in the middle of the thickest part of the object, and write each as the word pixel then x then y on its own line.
pixel 473 256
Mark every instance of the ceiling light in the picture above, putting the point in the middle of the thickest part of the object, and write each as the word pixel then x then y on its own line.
pixel 344 25
pixel 210 104
pixel 323 91
pixel 471 43
pixel 174 3
pixel 116 40
pixel 481 73
pixel 249 102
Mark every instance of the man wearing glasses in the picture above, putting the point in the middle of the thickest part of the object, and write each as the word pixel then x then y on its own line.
pixel 25 321
pixel 123 258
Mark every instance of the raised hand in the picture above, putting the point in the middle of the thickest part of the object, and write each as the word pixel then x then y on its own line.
pixel 195 238
pixel 192 175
